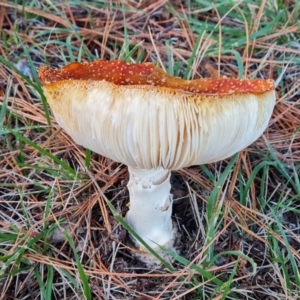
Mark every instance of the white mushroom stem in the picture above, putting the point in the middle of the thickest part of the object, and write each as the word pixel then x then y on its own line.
pixel 151 206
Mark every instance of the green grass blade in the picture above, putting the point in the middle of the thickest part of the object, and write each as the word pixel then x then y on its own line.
pixel 291 256
pixel 64 165
pixel 40 283
pixel 49 283
pixel 84 278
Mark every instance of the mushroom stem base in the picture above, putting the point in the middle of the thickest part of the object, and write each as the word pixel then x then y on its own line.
pixel 151 207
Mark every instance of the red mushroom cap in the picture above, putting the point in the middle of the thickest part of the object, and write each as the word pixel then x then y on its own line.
pixel 138 115
pixel 122 73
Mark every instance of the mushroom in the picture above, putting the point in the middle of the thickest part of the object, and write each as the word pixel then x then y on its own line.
pixel 138 115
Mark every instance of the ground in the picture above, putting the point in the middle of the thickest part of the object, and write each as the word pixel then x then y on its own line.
pixel 61 205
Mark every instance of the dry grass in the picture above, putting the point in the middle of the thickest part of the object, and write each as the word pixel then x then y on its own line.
pixel 45 189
